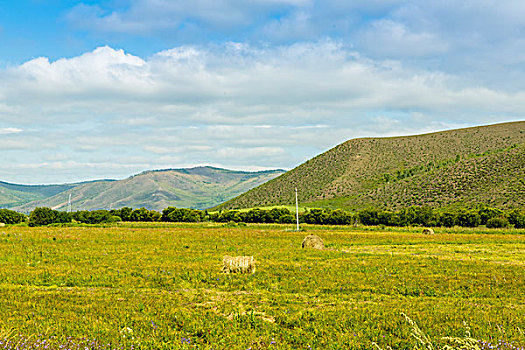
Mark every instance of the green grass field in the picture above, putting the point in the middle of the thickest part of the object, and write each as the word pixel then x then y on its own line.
pixel 159 286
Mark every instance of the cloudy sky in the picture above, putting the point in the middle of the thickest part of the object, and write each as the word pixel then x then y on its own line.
pixel 106 89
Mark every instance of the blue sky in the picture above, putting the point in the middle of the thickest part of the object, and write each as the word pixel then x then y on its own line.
pixel 106 89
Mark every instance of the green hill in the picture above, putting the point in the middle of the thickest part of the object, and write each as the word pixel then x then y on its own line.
pixel 12 195
pixel 200 188
pixel 468 166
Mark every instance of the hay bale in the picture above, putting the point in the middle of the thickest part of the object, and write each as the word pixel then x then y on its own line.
pixel 428 231
pixel 2 224
pixel 313 241
pixel 238 264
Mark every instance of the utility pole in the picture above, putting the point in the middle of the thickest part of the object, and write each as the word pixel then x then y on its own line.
pixel 69 204
pixel 296 209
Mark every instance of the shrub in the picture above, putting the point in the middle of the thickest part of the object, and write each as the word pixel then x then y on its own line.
pixel 181 215
pixel 45 216
pixel 228 216
pixel 11 217
pixel 286 219
pixel 316 216
pixel 517 218
pixel 369 216
pixel 94 216
pixel 498 222
pixel 448 219
pixel 468 218
pixel 124 213
pixel 487 213
pixel 115 218
pixel 340 217
pixel 144 215
pixel 275 214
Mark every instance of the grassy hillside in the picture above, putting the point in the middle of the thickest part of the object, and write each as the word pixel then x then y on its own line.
pixel 472 165
pixel 200 188
pixel 12 195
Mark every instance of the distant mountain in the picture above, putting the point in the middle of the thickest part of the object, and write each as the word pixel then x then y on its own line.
pixel 200 187
pixel 12 195
pixel 468 166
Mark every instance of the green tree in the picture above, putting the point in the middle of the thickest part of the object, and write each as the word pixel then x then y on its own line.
pixel 468 218
pixel 141 214
pixel 42 216
pixel 448 219
pixel 11 217
pixel 369 216
pixel 498 222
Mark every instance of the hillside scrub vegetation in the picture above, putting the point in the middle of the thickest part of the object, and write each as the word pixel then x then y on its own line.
pixel 451 168
pixel 411 216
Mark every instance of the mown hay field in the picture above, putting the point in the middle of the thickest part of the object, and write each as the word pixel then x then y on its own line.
pixel 161 286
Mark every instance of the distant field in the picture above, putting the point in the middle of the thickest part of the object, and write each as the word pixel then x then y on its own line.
pixel 158 286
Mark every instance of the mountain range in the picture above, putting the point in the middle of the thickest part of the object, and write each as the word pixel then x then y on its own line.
pixel 462 167
pixel 200 188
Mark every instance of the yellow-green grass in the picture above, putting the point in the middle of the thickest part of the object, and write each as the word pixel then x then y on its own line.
pixel 164 283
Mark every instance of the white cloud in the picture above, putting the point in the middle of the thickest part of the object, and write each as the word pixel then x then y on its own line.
pixel 481 40
pixel 92 73
pixel 229 84
pixel 5 131
pixel 149 16
pixel 388 38
pixel 233 104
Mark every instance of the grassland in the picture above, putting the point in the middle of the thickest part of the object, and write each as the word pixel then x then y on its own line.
pixel 158 286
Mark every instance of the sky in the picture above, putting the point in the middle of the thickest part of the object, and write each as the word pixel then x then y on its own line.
pixel 107 89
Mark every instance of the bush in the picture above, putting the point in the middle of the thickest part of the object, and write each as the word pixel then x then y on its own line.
pixel 413 215
pixel 144 214
pixel 316 216
pixel 173 214
pixel 498 222
pixel 286 219
pixel 448 219
pixel 11 217
pixel 115 218
pixel 124 213
pixel 47 216
pixel 468 218
pixel 487 213
pixel 519 222
pixel 228 216
pixel 369 216
pixel 517 218
pixel 340 217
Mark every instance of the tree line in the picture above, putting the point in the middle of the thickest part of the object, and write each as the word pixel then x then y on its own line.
pixel 411 216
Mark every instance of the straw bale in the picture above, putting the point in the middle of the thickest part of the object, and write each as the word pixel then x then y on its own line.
pixel 238 264
pixel 313 241
pixel 428 231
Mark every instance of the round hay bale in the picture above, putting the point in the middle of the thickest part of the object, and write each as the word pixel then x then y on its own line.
pixel 428 231
pixel 313 241
pixel 2 224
